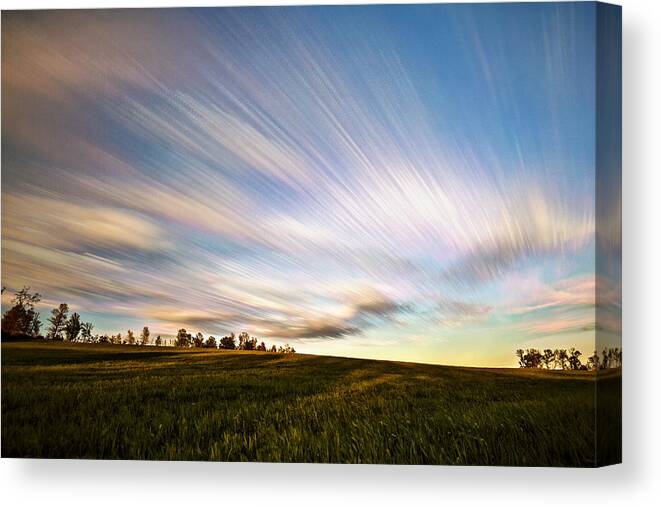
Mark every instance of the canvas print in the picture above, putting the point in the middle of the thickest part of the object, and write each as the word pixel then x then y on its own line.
pixel 382 234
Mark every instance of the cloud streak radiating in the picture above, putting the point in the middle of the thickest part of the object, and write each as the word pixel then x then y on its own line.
pixel 307 174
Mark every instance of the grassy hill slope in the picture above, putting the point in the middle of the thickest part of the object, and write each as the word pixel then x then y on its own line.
pixel 94 401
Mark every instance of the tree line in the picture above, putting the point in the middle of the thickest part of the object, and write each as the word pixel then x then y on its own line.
pixel 569 359
pixel 23 320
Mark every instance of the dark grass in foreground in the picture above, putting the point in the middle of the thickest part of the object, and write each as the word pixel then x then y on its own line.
pixel 95 401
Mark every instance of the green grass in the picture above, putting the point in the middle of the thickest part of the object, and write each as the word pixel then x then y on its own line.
pixel 119 402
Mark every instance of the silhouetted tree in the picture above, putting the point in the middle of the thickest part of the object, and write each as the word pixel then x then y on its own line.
pixel 262 347
pixel 273 348
pixel 22 318
pixel 593 361
pixel 210 343
pixel 130 337
pixel 144 336
pixel 561 358
pixel 246 342
pixel 520 353
pixel 228 342
pixel 613 357
pixel 198 341
pixel 531 358
pixel 574 359
pixel 535 358
pixel 184 339
pixel 286 349
pixel 243 338
pixel 605 362
pixel 72 327
pixel 158 341
pixel 104 338
pixel 86 331
pixel 58 320
pixel 547 358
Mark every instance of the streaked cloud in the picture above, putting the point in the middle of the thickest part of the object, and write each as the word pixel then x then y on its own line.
pixel 576 291
pixel 58 224
pixel 455 313
pixel 304 174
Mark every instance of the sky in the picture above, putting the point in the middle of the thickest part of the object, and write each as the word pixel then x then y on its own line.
pixel 398 182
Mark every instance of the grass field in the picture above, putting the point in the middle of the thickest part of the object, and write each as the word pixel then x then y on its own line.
pixel 120 402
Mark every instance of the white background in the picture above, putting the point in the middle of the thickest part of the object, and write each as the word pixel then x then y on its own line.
pixel 636 482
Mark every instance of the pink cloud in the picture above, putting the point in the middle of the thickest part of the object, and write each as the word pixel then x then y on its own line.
pixel 575 291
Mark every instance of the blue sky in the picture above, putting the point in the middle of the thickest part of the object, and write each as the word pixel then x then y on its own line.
pixel 401 182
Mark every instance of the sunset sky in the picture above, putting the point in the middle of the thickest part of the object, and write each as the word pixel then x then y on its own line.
pixel 399 182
